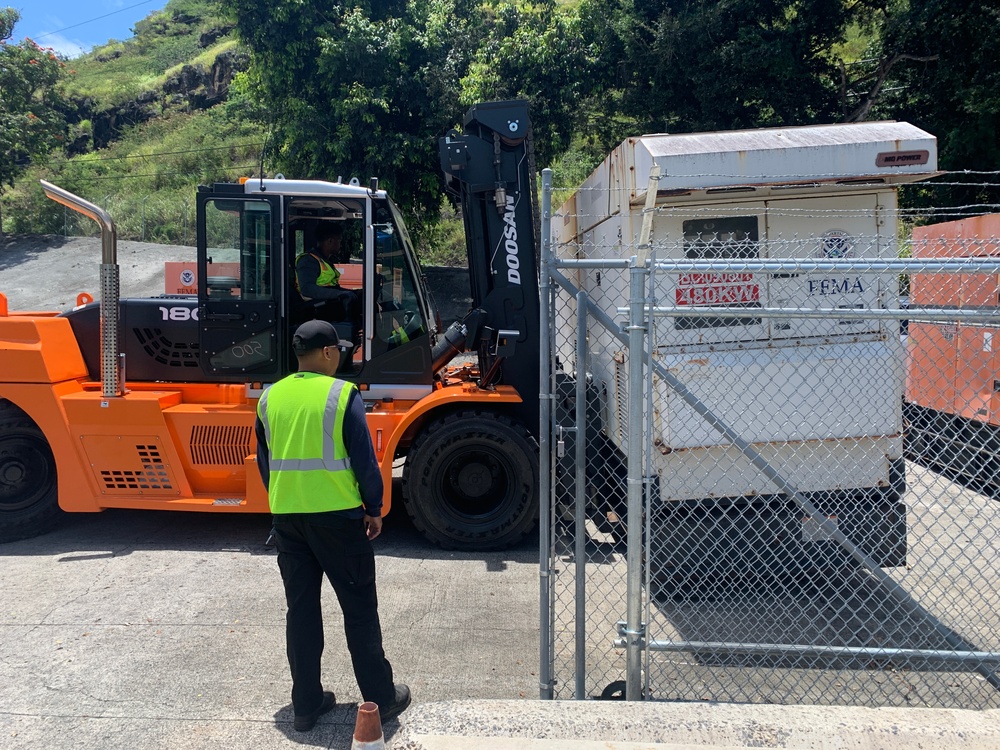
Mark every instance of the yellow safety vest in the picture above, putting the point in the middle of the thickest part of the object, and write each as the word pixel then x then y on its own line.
pixel 310 471
pixel 328 274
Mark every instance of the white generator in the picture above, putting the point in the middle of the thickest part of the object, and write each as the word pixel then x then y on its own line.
pixel 819 397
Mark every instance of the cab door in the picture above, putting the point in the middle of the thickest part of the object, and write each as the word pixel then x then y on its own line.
pixel 239 283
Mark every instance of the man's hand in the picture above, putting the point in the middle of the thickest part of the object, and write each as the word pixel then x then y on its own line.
pixel 373 526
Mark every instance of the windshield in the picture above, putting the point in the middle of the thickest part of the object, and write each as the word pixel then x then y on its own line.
pixel 403 312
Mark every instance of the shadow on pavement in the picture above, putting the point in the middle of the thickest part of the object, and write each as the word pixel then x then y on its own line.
pixel 116 532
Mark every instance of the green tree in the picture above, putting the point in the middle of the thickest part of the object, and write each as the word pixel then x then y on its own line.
pixel 948 82
pixel 358 89
pixel 365 89
pixel 30 120
pixel 533 51
pixel 694 65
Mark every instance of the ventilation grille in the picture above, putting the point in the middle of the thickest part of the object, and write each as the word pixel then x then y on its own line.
pixel 165 351
pixel 152 476
pixel 214 445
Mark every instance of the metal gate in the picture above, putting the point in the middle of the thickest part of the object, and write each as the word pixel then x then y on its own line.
pixel 771 480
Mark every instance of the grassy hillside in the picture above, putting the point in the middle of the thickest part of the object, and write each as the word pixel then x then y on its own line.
pixel 149 120
pixel 122 70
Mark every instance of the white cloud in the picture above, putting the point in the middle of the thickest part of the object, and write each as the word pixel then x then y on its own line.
pixel 64 45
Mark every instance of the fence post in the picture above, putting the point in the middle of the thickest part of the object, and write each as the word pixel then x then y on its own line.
pixel 633 621
pixel 545 472
pixel 580 462
pixel 634 632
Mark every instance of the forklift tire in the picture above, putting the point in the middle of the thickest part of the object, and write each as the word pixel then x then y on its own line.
pixel 28 502
pixel 471 482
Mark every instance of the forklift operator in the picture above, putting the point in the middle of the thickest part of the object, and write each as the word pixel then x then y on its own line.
pixel 317 278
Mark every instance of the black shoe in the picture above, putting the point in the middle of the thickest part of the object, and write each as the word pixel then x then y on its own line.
pixel 397 707
pixel 307 721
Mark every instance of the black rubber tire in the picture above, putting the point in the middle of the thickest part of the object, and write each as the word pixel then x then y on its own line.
pixel 28 501
pixel 471 482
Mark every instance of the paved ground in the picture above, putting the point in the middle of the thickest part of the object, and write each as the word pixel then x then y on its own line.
pixel 134 629
pixel 606 725
pixel 47 272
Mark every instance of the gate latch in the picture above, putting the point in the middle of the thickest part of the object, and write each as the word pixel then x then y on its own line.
pixel 628 637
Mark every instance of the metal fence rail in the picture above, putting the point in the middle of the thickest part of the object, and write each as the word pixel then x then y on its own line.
pixel 774 476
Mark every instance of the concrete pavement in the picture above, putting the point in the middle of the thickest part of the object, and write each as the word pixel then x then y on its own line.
pixel 611 725
pixel 132 629
pixel 136 630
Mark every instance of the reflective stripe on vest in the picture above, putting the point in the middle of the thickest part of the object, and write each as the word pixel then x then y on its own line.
pixel 317 476
pixel 328 274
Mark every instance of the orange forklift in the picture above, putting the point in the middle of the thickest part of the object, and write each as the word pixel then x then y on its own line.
pixel 150 403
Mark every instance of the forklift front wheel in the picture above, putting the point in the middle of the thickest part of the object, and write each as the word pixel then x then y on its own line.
pixel 28 501
pixel 471 482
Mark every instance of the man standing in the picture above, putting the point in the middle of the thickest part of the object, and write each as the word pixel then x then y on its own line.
pixel 317 277
pixel 316 458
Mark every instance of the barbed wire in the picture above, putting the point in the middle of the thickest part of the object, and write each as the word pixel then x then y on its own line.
pixel 701 212
pixel 925 179
pixel 741 247
pixel 791 238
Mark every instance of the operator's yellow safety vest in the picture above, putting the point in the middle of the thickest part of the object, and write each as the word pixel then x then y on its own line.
pixel 328 275
pixel 310 472
pixel 398 337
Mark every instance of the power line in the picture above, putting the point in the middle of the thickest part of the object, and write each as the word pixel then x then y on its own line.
pixel 161 153
pixel 84 23
pixel 160 174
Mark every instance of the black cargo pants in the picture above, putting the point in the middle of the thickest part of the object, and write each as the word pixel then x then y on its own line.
pixel 309 545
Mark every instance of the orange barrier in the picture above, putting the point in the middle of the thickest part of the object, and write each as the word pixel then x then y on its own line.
pixel 368 728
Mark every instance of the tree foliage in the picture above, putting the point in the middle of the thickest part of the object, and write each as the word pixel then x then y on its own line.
pixel 368 88
pixel 936 64
pixel 360 88
pixel 692 65
pixel 357 89
pixel 954 90
pixel 533 51
pixel 30 120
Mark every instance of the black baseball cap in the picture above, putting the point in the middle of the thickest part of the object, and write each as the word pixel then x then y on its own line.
pixel 315 334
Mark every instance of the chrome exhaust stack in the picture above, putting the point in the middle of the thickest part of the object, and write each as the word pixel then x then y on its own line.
pixel 112 358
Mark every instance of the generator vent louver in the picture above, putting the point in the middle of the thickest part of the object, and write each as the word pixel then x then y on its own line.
pixel 165 351
pixel 215 445
pixel 152 476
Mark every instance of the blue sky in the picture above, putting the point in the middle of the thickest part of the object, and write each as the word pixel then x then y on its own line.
pixel 72 27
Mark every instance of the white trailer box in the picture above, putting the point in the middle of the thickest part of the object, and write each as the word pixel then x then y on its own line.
pixel 820 398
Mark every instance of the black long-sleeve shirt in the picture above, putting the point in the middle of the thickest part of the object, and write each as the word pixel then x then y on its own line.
pixel 360 451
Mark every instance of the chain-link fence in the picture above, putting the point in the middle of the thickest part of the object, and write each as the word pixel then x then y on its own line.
pixel 792 493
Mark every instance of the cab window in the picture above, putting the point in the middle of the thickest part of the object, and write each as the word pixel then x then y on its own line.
pixel 398 315
pixel 238 246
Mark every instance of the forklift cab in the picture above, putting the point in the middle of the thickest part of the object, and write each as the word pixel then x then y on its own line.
pixel 246 320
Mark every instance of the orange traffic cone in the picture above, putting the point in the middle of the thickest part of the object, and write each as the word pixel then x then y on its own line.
pixel 368 728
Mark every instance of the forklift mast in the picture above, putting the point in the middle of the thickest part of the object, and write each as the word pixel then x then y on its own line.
pixel 489 167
